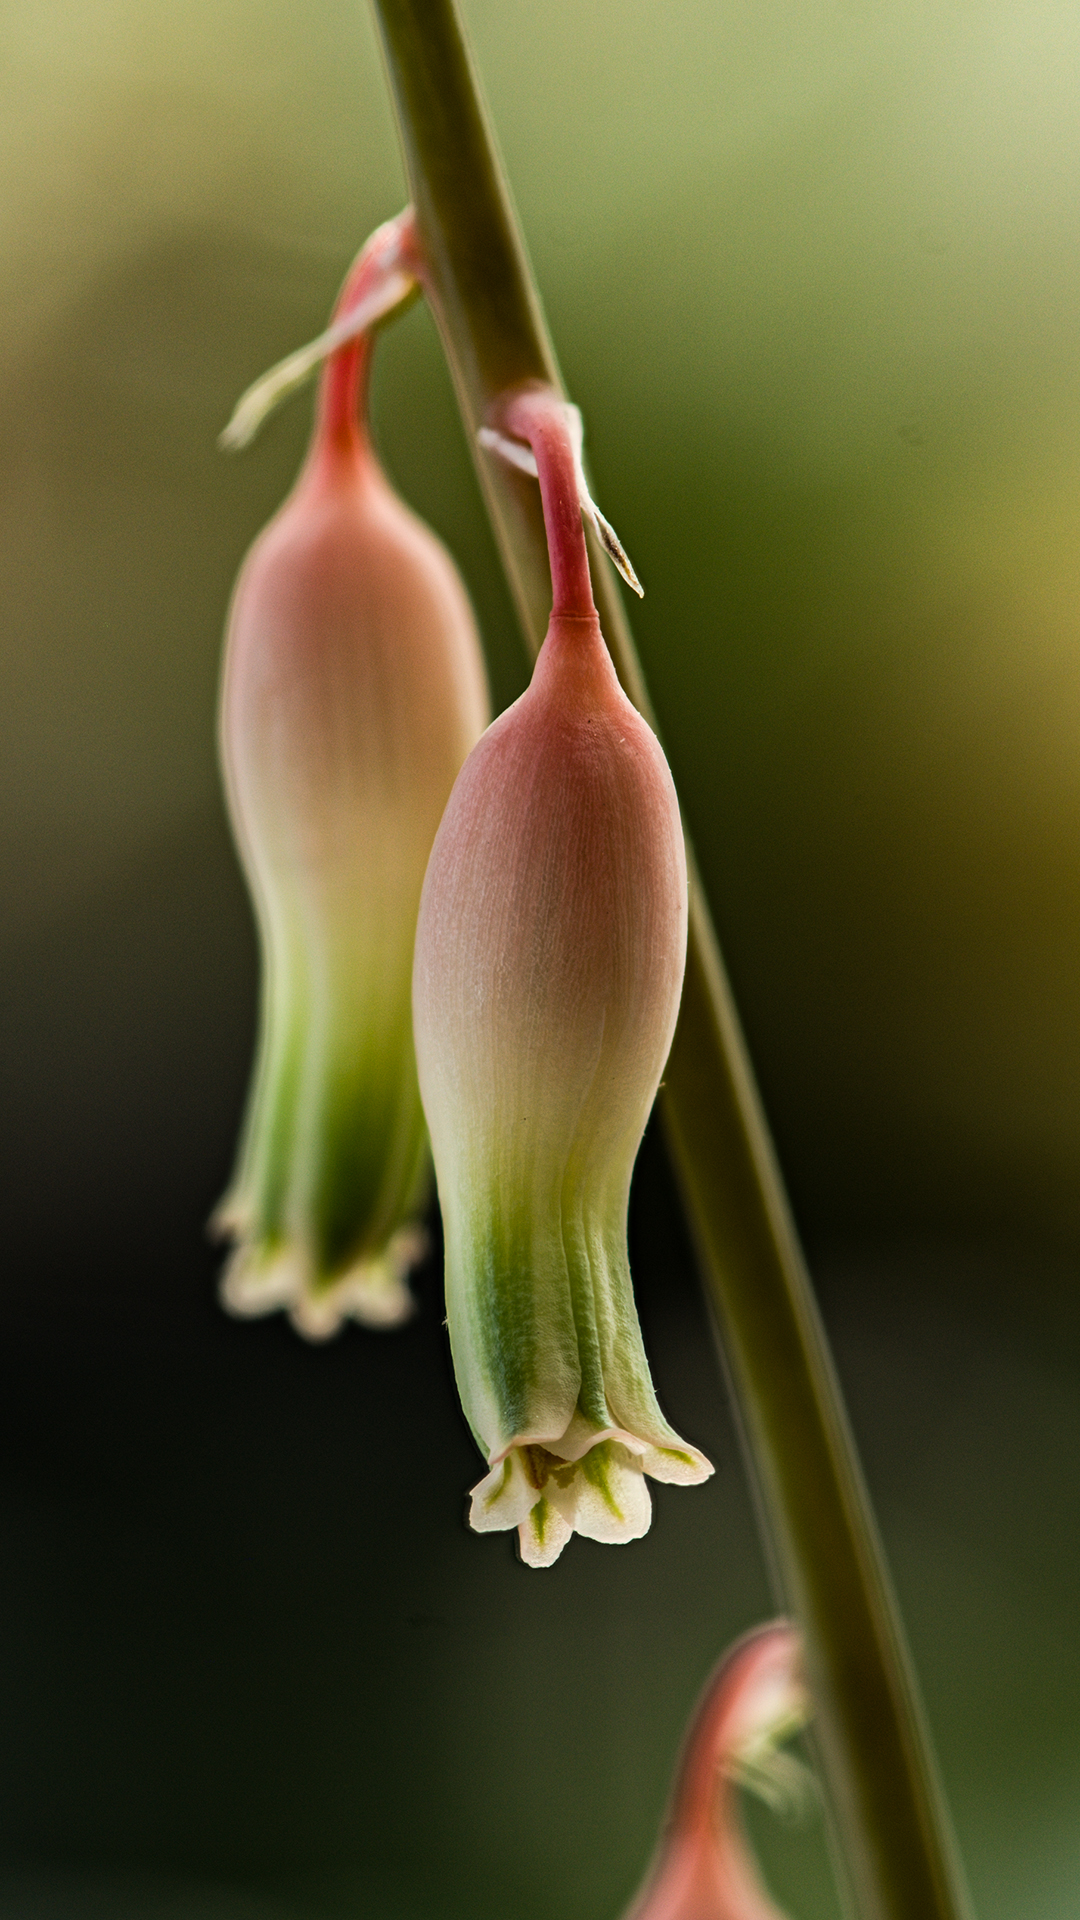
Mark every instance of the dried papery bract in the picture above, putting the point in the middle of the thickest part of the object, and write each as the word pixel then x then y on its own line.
pixel 704 1869
pixel 549 961
pixel 353 690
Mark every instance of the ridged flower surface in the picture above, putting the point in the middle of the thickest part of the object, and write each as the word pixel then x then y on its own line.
pixel 353 690
pixel 549 963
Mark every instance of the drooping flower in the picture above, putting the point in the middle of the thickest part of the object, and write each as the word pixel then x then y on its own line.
pixel 549 961
pixel 704 1869
pixel 353 689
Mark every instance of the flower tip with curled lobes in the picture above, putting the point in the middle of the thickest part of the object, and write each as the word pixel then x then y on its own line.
pixel 600 1494
pixel 703 1868
pixel 373 1291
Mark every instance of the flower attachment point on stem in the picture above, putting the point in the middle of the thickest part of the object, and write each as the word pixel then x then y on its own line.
pixel 353 689
pixel 704 1869
pixel 519 454
pixel 549 961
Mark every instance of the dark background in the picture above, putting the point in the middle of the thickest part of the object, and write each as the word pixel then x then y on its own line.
pixel 814 273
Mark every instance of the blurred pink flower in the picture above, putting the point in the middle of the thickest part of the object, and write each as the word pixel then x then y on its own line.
pixel 704 1869
pixel 353 689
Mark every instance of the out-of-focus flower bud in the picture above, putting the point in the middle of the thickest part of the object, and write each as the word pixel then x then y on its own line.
pixel 704 1869
pixel 549 962
pixel 353 690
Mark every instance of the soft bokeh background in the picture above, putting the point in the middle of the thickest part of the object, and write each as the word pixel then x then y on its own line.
pixel 814 274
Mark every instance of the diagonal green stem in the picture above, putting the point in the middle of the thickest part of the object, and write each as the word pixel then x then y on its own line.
pixel 886 1804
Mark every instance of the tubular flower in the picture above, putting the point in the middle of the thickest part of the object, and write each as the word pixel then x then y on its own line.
pixel 704 1869
pixel 353 689
pixel 549 961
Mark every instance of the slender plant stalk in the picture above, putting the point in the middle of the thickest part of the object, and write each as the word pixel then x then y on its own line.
pixel 886 1805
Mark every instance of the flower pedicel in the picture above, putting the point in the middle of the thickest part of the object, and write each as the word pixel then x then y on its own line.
pixel 549 962
pixel 353 689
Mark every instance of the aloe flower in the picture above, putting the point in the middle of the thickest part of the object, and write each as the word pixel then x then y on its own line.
pixel 704 1869
pixel 549 961
pixel 353 689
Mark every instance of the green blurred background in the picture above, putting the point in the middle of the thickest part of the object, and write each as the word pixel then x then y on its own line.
pixel 814 275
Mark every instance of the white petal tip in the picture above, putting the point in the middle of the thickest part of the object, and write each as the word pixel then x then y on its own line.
pixel 543 1535
pixel 503 1498
pixel 320 1315
pixel 678 1466
pixel 252 1285
pixel 613 1503
pixel 232 1219
pixel 374 1293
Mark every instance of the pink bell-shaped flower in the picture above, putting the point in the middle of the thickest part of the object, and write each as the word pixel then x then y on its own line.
pixel 704 1869
pixel 353 689
pixel 549 962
